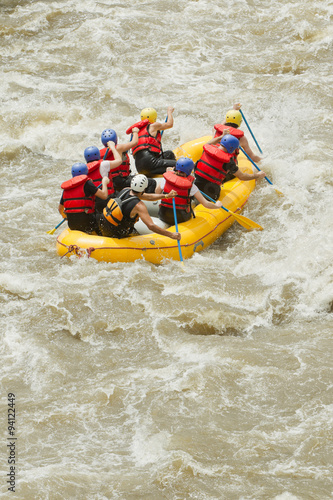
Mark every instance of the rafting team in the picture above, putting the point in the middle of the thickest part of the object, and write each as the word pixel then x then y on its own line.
pixel 103 197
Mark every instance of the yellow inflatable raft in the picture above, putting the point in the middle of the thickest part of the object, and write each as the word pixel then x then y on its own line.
pixel 197 234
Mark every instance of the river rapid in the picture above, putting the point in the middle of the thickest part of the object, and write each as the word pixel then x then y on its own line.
pixel 136 381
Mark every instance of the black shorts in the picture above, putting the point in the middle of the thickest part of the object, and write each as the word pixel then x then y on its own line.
pixel 210 188
pixel 166 215
pixel 149 164
pixel 83 222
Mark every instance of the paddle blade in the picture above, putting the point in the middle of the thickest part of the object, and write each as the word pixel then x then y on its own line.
pixel 247 223
pixel 278 192
pixel 52 231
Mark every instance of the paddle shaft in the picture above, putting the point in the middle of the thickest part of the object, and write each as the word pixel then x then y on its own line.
pixel 241 219
pixel 176 225
pixel 247 156
pixel 248 126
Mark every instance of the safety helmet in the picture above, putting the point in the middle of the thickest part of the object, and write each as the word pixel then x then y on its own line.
pixel 109 135
pixel 79 169
pixel 149 113
pixel 230 142
pixel 234 116
pixel 139 183
pixel 91 154
pixel 185 165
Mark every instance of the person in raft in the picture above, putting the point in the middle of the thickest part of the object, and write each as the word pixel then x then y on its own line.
pixel 148 155
pixel 233 119
pixel 77 203
pixel 181 180
pixel 217 163
pixel 98 168
pixel 121 176
pixel 119 223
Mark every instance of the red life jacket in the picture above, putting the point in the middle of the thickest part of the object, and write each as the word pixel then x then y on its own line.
pixel 210 165
pixel 183 187
pixel 233 131
pixel 124 168
pixel 138 125
pixel 147 141
pixel 75 200
pixel 95 175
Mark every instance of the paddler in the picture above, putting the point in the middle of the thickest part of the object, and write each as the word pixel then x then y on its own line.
pixel 233 119
pixel 217 163
pixel 121 214
pixel 121 176
pixel 99 168
pixel 148 155
pixel 181 180
pixel 77 203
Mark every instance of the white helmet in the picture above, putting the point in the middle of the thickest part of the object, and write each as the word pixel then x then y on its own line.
pixel 139 183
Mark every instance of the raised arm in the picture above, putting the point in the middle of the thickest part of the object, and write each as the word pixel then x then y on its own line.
pixel 122 148
pixel 117 158
pixel 154 127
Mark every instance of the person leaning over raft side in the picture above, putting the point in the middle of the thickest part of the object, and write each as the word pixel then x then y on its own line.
pixel 217 162
pixel 98 168
pixel 181 180
pixel 133 209
pixel 148 155
pixel 121 176
pixel 77 203
pixel 233 119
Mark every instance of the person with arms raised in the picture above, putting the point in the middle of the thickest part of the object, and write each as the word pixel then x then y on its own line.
pixel 98 168
pixel 121 175
pixel 149 158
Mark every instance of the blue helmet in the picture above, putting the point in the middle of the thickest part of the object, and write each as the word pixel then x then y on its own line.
pixel 109 135
pixel 230 143
pixel 79 169
pixel 185 165
pixel 91 154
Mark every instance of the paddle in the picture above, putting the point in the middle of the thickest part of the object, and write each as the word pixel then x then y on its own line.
pixel 56 227
pixel 248 126
pixel 267 179
pixel 241 219
pixel 176 224
pixel 106 153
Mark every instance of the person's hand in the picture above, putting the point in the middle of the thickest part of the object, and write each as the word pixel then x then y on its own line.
pixel 135 130
pixel 105 180
pixel 111 144
pixel 176 236
pixel 218 204
pixel 237 106
pixel 170 169
pixel 226 131
pixel 172 194
pixel 171 109
pixel 260 175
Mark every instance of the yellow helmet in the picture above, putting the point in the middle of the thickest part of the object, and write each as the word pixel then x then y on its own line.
pixel 233 116
pixel 149 113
